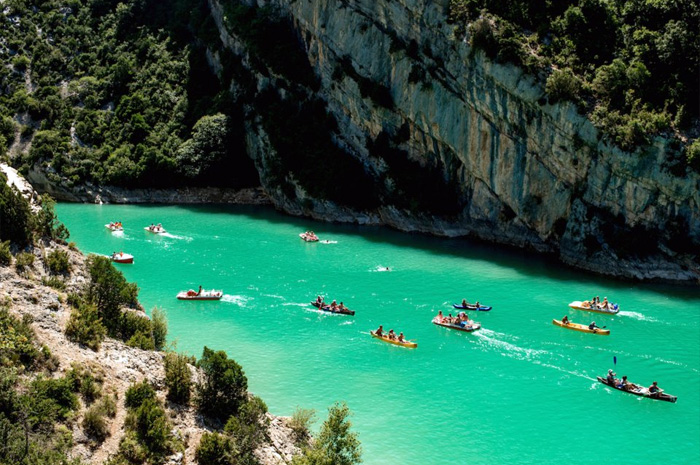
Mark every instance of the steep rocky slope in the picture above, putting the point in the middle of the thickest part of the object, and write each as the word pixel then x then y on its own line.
pixel 116 363
pixel 507 166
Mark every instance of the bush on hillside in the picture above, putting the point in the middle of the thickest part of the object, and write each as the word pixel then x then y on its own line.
pixel 248 428
pixel 57 261
pixel 17 346
pixel 215 449
pixel 159 326
pixel 178 379
pixel 5 254
pixel 109 291
pixel 335 443
pixel 24 261
pixel 563 85
pixel 138 393
pixel 85 326
pixel 300 423
pixel 223 387
pixel 15 215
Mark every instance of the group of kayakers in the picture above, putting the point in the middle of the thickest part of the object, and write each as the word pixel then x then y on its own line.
pixel 333 306
pixel 596 303
pixel 391 335
pixel 156 228
pixel 115 225
pixel 462 319
pixel 654 390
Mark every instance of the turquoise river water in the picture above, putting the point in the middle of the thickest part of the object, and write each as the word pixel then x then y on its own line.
pixel 519 391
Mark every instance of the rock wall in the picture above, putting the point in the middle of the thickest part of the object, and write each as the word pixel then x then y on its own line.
pixel 529 174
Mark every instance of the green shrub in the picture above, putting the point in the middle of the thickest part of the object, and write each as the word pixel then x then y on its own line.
pixel 53 398
pixel 95 424
pixel 5 254
pixel 335 443
pixel 17 336
pixel 138 393
pixel 87 381
pixel 223 387
pixel 85 326
pixel 109 291
pixel 15 215
pixel 159 325
pixel 248 428
pixel 141 341
pixel 151 426
pixel 46 223
pixel 215 449
pixel 54 282
pixel 693 154
pixel 300 423
pixel 57 261
pixel 178 379
pixel 24 261
pixel 563 85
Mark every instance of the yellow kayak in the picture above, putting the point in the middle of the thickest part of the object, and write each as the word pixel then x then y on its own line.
pixel 582 328
pixel 411 345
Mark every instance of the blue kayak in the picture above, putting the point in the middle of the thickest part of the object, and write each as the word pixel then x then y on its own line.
pixel 481 308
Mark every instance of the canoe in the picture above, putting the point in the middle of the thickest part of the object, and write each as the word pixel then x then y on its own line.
pixel 327 308
pixel 469 327
pixel 582 328
pixel 308 238
pixel 482 308
pixel 642 392
pixel 578 305
pixel 155 230
pixel 113 228
pixel 204 295
pixel 122 258
pixel 407 344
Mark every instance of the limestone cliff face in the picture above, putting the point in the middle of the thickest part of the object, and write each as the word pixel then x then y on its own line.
pixel 523 172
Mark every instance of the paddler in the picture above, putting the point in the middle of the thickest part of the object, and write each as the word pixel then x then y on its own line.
pixel 380 331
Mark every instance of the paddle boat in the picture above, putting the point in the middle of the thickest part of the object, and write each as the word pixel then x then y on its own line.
pixel 385 338
pixel 115 226
pixel 328 308
pixel 480 308
pixel 468 326
pixel 155 229
pixel 201 295
pixel 589 306
pixel 309 236
pixel 121 257
pixel 582 328
pixel 642 392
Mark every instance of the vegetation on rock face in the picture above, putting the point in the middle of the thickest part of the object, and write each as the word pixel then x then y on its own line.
pixel 632 65
pixel 224 385
pixel 118 93
pixel 335 444
pixel 178 379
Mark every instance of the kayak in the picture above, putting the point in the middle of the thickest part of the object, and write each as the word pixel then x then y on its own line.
pixel 582 328
pixel 578 305
pixel 408 344
pixel 204 295
pixel 308 237
pixel 327 308
pixel 155 230
pixel 122 258
pixel 468 327
pixel 113 227
pixel 642 392
pixel 482 308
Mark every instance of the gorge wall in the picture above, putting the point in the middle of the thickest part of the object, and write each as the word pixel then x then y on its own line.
pixel 507 166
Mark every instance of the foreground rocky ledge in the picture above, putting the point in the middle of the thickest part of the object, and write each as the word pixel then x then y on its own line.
pixel 119 365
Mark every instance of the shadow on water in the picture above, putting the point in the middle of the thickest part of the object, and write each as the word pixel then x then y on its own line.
pixel 531 264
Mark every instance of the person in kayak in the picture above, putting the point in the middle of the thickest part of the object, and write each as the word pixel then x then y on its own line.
pixel 611 378
pixel 391 335
pixel 380 331
pixel 401 338
pixel 440 317
pixel 319 301
pixel 565 320
pixel 605 304
pixel 341 307
pixel 199 292
pixel 464 303
pixel 593 326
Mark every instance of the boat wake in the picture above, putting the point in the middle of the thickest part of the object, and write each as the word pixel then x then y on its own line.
pixel 638 316
pixel 347 322
pixel 506 348
pixel 175 236
pixel 379 269
pixel 326 241
pixel 239 300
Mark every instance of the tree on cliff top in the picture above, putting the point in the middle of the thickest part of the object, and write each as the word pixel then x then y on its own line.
pixel 336 444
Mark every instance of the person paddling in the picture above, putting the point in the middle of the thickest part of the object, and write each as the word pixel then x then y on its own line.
pixel 380 331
